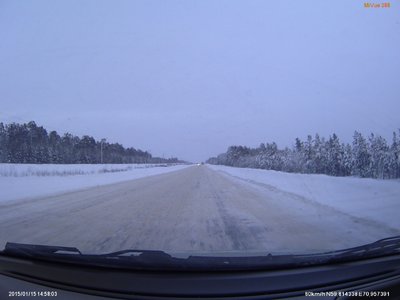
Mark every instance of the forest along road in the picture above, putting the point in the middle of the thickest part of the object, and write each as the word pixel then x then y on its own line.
pixel 194 209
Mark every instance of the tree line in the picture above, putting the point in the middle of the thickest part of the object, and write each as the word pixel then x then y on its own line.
pixel 370 156
pixel 29 143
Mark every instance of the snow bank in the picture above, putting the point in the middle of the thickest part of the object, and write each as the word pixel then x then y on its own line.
pixel 373 199
pixel 19 170
pixel 19 185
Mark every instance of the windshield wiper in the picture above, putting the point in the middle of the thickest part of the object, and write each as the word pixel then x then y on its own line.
pixel 137 258
pixel 35 250
pixel 381 247
pixel 159 260
pixel 40 250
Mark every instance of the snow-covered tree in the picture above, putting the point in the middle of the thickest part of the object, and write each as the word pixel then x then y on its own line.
pixel 29 143
pixel 379 157
pixel 361 156
pixel 334 156
pixel 3 143
pixel 394 157
pixel 365 158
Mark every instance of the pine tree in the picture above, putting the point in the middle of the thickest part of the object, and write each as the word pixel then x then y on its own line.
pixel 309 153
pixel 334 156
pixel 3 144
pixel 394 157
pixel 361 156
pixel 55 150
pixel 379 162
pixel 29 143
pixel 347 160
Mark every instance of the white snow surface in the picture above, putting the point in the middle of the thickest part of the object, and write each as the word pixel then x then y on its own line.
pixel 19 170
pixel 371 199
pixel 19 181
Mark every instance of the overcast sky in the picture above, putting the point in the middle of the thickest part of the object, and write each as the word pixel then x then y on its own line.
pixel 190 78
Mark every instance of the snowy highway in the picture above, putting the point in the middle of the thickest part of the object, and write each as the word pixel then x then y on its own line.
pixel 193 209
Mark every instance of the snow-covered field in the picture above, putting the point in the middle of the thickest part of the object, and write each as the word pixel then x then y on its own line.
pixel 19 170
pixel 372 199
pixel 19 181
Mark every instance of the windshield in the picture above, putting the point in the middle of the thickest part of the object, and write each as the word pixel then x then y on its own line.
pixel 199 128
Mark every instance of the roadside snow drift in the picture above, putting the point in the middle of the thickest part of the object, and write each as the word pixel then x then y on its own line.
pixel 373 199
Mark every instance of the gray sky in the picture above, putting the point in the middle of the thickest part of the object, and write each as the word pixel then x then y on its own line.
pixel 189 78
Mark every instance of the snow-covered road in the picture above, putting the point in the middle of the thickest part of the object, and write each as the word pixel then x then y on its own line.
pixel 192 209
